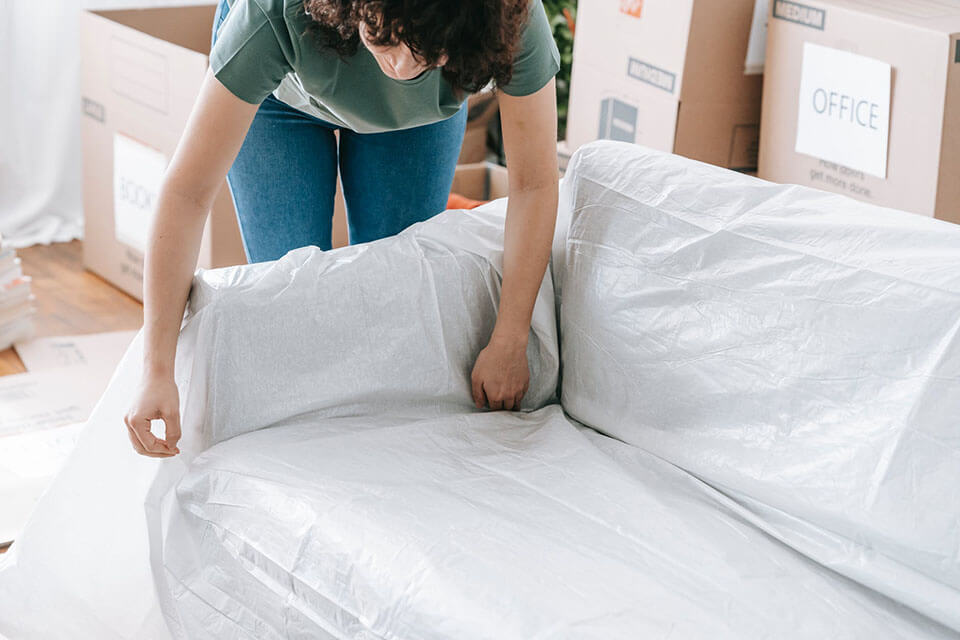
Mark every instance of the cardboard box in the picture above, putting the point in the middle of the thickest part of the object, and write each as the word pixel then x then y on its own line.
pixel 563 156
pixel 482 108
pixel 668 74
pixel 490 181
pixel 870 92
pixel 141 71
pixel 480 181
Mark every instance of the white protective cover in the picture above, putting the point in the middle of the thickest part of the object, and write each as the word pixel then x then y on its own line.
pixel 379 504
pixel 389 326
pixel 485 525
pixel 797 350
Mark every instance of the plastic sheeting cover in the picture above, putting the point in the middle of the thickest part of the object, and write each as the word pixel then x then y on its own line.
pixel 354 331
pixel 390 327
pixel 485 526
pixel 353 517
pixel 798 350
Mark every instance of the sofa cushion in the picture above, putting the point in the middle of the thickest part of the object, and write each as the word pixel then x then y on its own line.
pixel 798 350
pixel 484 525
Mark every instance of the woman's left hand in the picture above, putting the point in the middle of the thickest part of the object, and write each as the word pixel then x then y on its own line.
pixel 501 375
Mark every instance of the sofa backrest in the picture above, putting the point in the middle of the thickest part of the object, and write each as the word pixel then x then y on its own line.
pixel 388 327
pixel 797 350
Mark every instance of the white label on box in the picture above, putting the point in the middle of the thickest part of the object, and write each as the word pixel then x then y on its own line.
pixel 844 110
pixel 137 174
pixel 757 47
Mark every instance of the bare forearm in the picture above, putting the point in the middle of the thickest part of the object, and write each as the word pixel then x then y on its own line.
pixel 210 142
pixel 528 238
pixel 168 270
pixel 501 375
pixel 214 133
pixel 530 135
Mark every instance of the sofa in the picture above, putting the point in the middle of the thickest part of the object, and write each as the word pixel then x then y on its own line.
pixel 742 423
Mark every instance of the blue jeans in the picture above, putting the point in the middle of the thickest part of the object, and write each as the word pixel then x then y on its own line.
pixel 284 179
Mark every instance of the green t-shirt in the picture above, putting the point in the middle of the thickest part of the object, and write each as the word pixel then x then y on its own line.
pixel 263 47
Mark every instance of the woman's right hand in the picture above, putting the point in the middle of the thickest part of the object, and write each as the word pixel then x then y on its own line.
pixel 158 399
pixel 208 146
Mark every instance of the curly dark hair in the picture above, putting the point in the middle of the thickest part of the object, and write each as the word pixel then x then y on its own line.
pixel 479 37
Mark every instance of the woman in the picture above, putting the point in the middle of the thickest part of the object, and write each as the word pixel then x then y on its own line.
pixel 392 77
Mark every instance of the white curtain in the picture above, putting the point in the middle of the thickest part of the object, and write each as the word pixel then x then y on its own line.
pixel 40 117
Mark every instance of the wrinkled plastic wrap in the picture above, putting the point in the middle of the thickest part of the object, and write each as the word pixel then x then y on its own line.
pixel 393 325
pixel 336 482
pixel 797 350
pixel 390 327
pixel 491 526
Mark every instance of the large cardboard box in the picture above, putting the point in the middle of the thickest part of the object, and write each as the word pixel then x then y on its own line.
pixel 141 71
pixel 668 74
pixel 863 98
pixel 480 181
pixel 482 108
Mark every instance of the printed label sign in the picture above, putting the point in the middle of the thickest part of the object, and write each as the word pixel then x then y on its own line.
pixel 844 109
pixel 800 13
pixel 94 110
pixel 659 78
pixel 757 46
pixel 632 8
pixel 137 173
pixel 618 121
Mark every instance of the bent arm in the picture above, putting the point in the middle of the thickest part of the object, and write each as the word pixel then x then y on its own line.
pixel 530 142
pixel 207 148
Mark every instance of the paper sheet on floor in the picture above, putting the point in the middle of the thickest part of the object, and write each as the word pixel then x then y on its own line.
pixel 102 351
pixel 42 412
pixel 31 402
pixel 36 410
pixel 28 462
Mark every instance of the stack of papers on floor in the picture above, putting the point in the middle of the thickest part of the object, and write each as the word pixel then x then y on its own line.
pixel 43 411
pixel 16 302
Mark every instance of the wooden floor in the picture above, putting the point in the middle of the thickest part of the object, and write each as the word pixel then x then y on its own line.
pixel 69 299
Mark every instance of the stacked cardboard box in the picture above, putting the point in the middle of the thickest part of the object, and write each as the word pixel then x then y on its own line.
pixel 480 181
pixel 482 108
pixel 863 98
pixel 16 301
pixel 141 71
pixel 668 74
pixel 483 181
